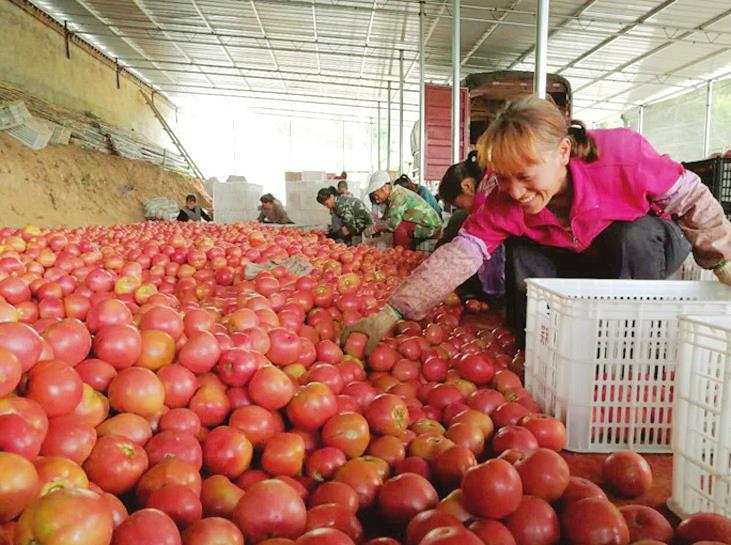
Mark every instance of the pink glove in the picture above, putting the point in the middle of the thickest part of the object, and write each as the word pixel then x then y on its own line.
pixel 439 275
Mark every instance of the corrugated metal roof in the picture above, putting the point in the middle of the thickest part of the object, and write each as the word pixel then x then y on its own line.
pixel 615 54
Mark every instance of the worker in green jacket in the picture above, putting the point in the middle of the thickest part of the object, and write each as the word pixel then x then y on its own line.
pixel 407 216
pixel 350 217
pixel 421 190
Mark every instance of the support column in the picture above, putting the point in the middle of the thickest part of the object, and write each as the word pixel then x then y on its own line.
pixel 455 81
pixel 388 130
pixel 707 124
pixel 422 107
pixel 541 52
pixel 641 120
pixel 401 113
pixel 378 137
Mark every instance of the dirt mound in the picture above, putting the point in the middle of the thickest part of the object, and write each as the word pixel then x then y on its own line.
pixel 68 186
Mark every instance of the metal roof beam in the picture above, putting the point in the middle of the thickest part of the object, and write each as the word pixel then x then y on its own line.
pixel 266 39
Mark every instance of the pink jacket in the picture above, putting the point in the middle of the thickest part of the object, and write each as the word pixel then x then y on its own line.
pixel 629 180
pixel 620 186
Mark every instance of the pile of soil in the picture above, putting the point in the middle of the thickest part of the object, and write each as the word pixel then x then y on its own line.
pixel 68 186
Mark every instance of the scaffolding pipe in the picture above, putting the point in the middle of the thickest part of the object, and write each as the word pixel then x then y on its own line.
pixel 378 153
pixel 401 114
pixel 422 106
pixel 707 124
pixel 455 80
pixel 388 129
pixel 641 120
pixel 539 75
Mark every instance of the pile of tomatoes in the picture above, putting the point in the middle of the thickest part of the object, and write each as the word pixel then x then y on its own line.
pixel 150 394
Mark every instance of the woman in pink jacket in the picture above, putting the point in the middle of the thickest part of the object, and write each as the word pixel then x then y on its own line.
pixel 569 203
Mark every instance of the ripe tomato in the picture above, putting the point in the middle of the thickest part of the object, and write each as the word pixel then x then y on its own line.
pixel 213 531
pixel 200 353
pixel 120 345
pixel 69 340
pixel 227 451
pixel 312 406
pixel 132 426
pixel 544 473
pixel 55 386
pixel 69 436
pixel 270 509
pixel 513 437
pixel 258 424
pixel 578 489
pixel 492 532
pixel 704 527
pixel 404 496
pixel 451 465
pixel 283 454
pixel 284 347
pixel 177 444
pixel 534 523
pixel 219 496
pixel 387 414
pixel 646 523
pixel 179 384
pixel 336 516
pixel 337 493
pixel 179 502
pixel 57 472
pixel 451 535
pixel 322 464
pixel 363 477
pixel 593 521
pixel 169 471
pixel 96 373
pixel 348 432
pixel 548 431
pixel 19 485
pixel 67 515
pixel 116 464
pixel 627 473
pixel 492 489
pixel 22 341
pixel 271 388
pixel 158 350
pixel 138 391
pixel 148 526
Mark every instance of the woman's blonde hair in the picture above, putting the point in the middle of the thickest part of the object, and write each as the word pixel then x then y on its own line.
pixel 525 129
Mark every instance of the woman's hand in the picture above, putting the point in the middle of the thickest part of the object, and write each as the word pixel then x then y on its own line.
pixel 376 326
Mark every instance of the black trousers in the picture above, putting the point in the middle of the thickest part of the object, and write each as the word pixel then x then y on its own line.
pixel 649 248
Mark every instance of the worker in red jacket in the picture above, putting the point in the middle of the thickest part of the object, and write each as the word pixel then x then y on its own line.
pixel 569 203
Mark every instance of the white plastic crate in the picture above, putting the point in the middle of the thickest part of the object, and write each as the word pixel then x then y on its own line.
pixel 34 133
pixel 690 270
pixel 13 114
pixel 702 417
pixel 236 197
pixel 601 355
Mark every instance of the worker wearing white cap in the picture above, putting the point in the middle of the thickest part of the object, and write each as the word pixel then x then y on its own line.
pixel 408 216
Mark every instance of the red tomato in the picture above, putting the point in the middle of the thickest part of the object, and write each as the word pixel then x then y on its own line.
pixel 270 509
pixel 451 465
pixel 176 444
pixel 322 464
pixel 55 386
pixel 22 341
pixel 593 521
pixel 179 502
pixel 451 536
pixel 161 318
pixel 200 353
pixel 363 477
pixel 544 474
pixel 646 523
pixel 219 496
pixel 257 423
pixel 387 414
pixel 283 454
pixel 508 414
pixel 548 431
pixel 116 464
pixel 704 527
pixel 337 493
pixel 284 347
pixel 513 437
pixel 578 489
pixel 213 531
pixel 120 345
pixel 425 522
pixel 148 526
pixel 131 426
pixel 19 485
pixel 10 372
pixel 534 523
pixel 324 536
pixel 68 515
pixel 492 490
pixel 492 532
pixel 179 384
pixel 227 451
pixel 236 366
pixel 158 350
pixel 312 406
pixel 347 432
pixel 404 496
pixel 138 391
pixel 335 516
pixel 96 373
pixel 69 436
pixel 271 388
pixel 69 339
pixel 169 471
pixel 627 473
pixel 58 472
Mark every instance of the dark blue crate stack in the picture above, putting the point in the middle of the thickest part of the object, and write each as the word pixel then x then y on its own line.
pixel 716 174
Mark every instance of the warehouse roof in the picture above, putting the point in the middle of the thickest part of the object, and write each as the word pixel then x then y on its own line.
pixel 325 53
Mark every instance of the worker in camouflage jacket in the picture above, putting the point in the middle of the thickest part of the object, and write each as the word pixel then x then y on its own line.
pixel 408 216
pixel 350 217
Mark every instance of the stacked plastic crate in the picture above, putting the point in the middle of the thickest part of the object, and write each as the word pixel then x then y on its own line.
pixel 235 202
